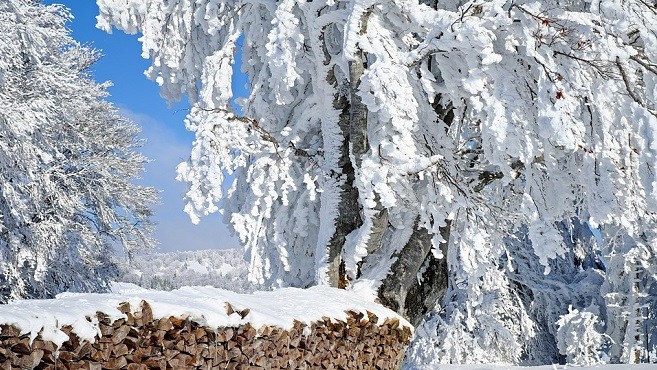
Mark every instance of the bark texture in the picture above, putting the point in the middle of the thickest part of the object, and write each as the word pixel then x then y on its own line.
pixel 401 291
pixel 349 218
pixel 349 212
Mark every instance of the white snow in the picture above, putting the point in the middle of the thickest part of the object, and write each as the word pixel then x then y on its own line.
pixel 197 267
pixel 204 305
pixel 543 367
pixel 220 268
pixel 225 269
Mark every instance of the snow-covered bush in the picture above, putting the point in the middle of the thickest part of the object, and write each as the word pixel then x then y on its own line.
pixel 629 293
pixel 579 337
pixel 483 319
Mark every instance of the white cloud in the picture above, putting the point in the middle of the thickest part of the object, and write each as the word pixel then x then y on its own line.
pixel 166 146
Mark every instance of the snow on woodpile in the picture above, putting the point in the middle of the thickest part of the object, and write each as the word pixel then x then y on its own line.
pixel 203 326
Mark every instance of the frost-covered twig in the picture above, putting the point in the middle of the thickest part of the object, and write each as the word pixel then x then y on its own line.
pixel 628 87
pixel 264 134
pixel 600 66
pixel 648 66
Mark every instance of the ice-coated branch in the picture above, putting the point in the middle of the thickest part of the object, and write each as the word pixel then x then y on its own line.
pixel 264 134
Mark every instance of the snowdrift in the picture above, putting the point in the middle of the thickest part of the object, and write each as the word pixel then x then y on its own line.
pixel 204 327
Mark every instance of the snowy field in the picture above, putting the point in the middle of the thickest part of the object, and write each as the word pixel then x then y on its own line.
pixel 545 367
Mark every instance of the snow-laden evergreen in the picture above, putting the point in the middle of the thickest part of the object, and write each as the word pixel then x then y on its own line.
pixel 494 157
pixel 67 160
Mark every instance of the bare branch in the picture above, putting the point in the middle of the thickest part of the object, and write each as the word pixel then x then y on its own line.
pixel 650 67
pixel 627 82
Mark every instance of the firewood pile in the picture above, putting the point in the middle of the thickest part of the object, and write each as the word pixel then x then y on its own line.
pixel 141 342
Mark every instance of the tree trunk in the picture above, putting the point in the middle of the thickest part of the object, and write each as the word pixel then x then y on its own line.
pixel 353 125
pixel 348 218
pixel 417 279
pixel 401 290
pixel 359 140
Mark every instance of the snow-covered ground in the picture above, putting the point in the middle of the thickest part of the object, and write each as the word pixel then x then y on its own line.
pixel 544 367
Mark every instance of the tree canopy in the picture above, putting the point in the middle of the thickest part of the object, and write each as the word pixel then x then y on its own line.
pixel 67 162
pixel 493 158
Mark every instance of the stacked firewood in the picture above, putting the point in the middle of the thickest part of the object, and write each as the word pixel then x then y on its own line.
pixel 141 342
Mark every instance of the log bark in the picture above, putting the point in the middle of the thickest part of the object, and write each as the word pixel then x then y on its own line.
pixel 401 291
pixel 348 213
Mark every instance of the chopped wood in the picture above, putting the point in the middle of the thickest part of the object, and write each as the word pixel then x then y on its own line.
pixel 124 307
pixel 177 322
pixel 164 324
pixel 115 363
pixel 22 347
pixel 120 350
pixel 120 334
pixel 29 361
pixel 146 312
pixel 158 362
pixel 139 342
pixel 9 331
pixel 134 366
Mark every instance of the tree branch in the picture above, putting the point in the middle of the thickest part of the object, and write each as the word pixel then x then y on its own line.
pixel 264 134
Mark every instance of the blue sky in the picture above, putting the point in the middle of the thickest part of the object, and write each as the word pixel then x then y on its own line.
pixel 167 141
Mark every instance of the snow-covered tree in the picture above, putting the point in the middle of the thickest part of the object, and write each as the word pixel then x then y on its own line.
pixel 220 268
pixel 66 162
pixel 578 337
pixel 627 290
pixel 402 146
